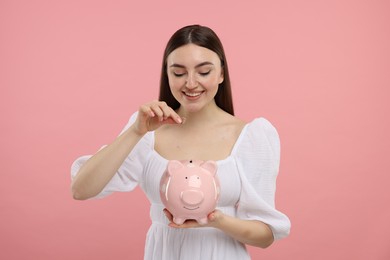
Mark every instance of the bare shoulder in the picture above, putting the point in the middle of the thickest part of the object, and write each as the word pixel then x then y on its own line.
pixel 232 122
pixel 229 128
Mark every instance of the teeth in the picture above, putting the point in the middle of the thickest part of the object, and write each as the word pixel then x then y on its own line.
pixel 192 94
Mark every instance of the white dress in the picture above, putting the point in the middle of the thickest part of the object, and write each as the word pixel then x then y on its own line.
pixel 248 181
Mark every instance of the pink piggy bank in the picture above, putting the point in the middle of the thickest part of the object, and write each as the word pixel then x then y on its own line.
pixel 190 190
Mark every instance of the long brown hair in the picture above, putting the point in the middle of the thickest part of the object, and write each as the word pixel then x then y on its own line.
pixel 207 38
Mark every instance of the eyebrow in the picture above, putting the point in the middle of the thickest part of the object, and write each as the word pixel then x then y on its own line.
pixel 197 66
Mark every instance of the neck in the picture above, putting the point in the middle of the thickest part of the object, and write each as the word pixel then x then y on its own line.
pixel 206 114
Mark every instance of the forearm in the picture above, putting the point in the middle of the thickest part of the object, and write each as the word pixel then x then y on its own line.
pixel 251 232
pixel 101 167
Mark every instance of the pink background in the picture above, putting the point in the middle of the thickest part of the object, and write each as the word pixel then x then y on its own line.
pixel 72 72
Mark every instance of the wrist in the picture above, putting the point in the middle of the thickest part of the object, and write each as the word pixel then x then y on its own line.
pixel 134 130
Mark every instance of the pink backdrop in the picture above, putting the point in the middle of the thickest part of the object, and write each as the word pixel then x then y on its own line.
pixel 72 72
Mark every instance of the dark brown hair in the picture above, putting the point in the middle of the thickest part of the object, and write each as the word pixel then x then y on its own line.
pixel 207 38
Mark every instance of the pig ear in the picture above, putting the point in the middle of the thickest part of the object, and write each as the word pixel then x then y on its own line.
pixel 173 166
pixel 210 166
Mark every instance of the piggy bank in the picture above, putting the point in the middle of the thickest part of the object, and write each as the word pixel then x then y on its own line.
pixel 190 190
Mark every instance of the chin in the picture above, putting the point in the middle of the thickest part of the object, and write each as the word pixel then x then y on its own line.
pixel 192 108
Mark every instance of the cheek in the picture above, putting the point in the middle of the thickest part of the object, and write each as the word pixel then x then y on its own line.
pixel 214 80
pixel 210 82
pixel 175 83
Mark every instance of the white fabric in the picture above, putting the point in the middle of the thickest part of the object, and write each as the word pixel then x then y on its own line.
pixel 248 182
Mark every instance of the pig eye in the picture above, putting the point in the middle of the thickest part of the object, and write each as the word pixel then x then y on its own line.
pixel 186 177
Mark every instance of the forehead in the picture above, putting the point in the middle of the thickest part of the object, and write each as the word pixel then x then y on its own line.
pixel 191 55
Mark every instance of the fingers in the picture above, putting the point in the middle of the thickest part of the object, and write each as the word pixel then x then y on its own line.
pixel 162 111
pixel 215 218
pixel 168 215
pixel 186 224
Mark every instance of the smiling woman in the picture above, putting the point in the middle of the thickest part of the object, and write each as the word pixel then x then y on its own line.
pixel 194 86
pixel 200 36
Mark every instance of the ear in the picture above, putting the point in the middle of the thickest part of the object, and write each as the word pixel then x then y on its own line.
pixel 210 166
pixel 222 76
pixel 173 166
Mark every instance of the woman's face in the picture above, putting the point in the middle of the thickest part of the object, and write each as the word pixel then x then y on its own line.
pixel 194 74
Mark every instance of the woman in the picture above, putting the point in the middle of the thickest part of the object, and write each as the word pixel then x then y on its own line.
pixel 194 119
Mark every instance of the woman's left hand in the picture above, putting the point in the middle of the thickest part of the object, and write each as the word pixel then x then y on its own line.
pixel 251 232
pixel 212 220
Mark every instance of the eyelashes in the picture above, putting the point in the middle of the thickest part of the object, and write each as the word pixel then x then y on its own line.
pixel 178 75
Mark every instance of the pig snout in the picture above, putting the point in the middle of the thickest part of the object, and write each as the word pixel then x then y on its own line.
pixel 192 197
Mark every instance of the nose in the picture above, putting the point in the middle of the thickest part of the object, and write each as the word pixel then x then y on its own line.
pixel 191 81
pixel 192 197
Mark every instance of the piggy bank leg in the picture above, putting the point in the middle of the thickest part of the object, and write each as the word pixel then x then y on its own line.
pixel 202 221
pixel 178 220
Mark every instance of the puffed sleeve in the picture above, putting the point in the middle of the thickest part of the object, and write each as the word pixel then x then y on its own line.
pixel 130 172
pixel 258 157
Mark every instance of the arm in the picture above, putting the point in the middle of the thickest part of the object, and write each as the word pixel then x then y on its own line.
pixel 94 175
pixel 251 232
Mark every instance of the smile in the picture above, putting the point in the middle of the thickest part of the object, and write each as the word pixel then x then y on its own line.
pixel 191 208
pixel 192 94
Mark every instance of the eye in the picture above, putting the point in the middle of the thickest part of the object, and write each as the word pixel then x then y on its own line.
pixel 204 73
pixel 178 74
pixel 186 177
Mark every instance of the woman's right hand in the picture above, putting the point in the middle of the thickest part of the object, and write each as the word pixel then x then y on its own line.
pixel 153 115
pixel 94 175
